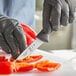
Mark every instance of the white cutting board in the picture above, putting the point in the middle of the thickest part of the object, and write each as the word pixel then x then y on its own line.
pixel 65 70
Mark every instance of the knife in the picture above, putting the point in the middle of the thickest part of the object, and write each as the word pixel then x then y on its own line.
pixel 40 39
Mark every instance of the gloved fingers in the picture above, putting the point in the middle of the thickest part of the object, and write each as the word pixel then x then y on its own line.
pixel 16 43
pixel 72 6
pixel 3 44
pixel 20 37
pixel 65 15
pixel 55 17
pixel 46 17
pixel 10 40
pixel 71 16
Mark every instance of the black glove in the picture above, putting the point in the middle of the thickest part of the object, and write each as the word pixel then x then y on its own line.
pixel 57 12
pixel 12 36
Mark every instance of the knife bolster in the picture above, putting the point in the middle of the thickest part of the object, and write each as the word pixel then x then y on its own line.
pixel 43 36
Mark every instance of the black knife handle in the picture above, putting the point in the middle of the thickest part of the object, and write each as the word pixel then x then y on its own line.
pixel 43 36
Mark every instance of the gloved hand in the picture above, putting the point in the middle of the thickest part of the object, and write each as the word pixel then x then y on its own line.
pixel 12 36
pixel 56 13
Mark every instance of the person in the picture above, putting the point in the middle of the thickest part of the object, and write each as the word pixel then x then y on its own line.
pixel 13 12
pixel 55 13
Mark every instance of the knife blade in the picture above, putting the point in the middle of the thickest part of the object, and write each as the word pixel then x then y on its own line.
pixel 41 38
pixel 34 45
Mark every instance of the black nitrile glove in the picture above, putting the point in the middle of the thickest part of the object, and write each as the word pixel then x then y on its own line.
pixel 56 13
pixel 12 36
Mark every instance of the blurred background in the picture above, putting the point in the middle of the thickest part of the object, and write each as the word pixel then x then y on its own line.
pixel 64 38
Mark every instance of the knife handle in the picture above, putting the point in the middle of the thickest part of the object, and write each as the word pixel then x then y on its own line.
pixel 43 36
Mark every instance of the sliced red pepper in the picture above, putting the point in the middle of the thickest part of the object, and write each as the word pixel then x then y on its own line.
pixel 23 67
pixel 30 59
pixel 29 39
pixel 19 61
pixel 5 60
pixel 6 68
pixel 30 34
pixel 49 67
pixel 12 59
pixel 42 63
pixel 2 58
pixel 29 31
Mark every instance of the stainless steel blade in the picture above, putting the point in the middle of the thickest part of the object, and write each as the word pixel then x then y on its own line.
pixel 30 49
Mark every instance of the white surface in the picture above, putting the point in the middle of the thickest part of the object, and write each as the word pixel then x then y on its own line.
pixel 67 68
pixel 65 54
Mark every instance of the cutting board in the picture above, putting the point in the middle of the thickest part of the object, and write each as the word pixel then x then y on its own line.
pixel 65 70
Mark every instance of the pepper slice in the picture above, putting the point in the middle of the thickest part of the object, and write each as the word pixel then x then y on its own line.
pixel 23 67
pixel 6 67
pixel 42 63
pixel 19 61
pixel 2 58
pixel 30 59
pixel 12 59
pixel 49 67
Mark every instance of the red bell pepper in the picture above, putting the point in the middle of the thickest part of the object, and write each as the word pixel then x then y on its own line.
pixel 6 67
pixel 42 63
pixel 19 61
pixel 30 59
pixel 2 58
pixel 29 31
pixel 12 59
pixel 23 67
pixel 48 66
pixel 29 39
pixel 30 34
